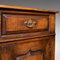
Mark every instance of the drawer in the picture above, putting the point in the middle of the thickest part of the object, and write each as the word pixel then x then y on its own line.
pixel 13 23
pixel 35 49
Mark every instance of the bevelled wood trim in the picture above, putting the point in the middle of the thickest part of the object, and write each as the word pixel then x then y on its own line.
pixel 24 8
pixel 17 37
pixel 6 39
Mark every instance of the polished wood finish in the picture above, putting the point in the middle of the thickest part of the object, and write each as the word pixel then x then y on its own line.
pixel 26 33
pixel 16 23
pixel 25 8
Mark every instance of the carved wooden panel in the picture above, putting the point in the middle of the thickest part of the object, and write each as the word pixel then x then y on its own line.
pixel 24 23
pixel 33 50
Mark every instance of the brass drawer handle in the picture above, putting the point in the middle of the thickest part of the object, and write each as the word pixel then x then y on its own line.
pixel 30 23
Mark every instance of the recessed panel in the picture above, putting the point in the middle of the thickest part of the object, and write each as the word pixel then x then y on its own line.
pixel 13 24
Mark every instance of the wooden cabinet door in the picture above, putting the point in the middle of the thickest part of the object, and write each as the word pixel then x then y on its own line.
pixel 32 49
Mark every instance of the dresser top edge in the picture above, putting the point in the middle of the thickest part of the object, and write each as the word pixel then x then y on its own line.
pixel 2 7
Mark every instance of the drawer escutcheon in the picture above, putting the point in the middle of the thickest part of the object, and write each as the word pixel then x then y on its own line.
pixel 30 23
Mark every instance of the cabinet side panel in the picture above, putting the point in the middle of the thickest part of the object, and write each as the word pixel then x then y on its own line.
pixel 0 23
pixel 52 46
pixel 52 23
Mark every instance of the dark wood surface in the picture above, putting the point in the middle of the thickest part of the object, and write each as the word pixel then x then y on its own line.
pixel 27 33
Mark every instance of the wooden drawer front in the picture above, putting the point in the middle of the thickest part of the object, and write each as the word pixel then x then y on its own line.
pixel 33 50
pixel 23 23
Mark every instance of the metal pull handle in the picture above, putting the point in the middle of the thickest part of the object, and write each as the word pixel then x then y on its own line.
pixel 30 23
